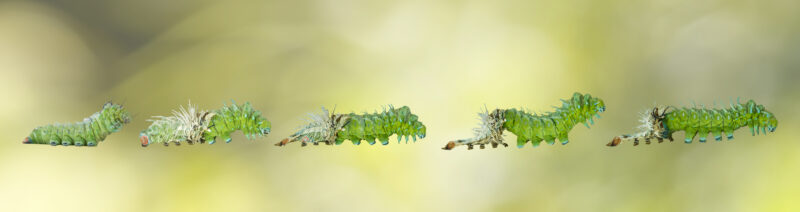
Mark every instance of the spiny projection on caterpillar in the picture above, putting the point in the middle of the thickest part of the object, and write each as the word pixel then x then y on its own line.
pixel 662 121
pixel 331 128
pixel 534 128
pixel 193 125
pixel 89 132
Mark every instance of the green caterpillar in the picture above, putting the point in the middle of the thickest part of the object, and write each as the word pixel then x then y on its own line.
pixel 534 128
pixel 336 128
pixel 230 119
pixel 193 125
pixel 89 132
pixel 660 123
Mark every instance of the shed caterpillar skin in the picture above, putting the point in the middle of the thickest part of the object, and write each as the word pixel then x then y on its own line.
pixel 661 122
pixel 187 124
pixel 198 126
pixel 89 132
pixel 534 128
pixel 332 129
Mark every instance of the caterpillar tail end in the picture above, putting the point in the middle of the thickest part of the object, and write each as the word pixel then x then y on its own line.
pixel 450 145
pixel 27 140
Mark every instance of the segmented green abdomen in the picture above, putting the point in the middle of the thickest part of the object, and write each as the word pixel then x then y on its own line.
pixel 554 125
pixel 381 126
pixel 532 128
pixel 700 121
pixel 89 132
pixel 231 118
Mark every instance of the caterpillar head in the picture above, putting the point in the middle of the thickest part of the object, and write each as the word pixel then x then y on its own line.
pixel 422 130
pixel 587 105
pixel 122 114
pixel 762 119
pixel 594 105
pixel 599 105
pixel 264 126
pixel 770 121
pixel 416 128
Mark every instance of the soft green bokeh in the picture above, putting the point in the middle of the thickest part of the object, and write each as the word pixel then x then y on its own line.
pixel 62 59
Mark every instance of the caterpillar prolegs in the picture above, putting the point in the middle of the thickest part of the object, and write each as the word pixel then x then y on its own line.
pixel 534 128
pixel 89 132
pixel 332 129
pixel 192 125
pixel 661 122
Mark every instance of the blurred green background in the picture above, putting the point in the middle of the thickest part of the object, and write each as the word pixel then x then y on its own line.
pixel 62 59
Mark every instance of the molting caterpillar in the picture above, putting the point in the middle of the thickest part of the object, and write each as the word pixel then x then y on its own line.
pixel 336 128
pixel 535 128
pixel 88 132
pixel 193 125
pixel 660 123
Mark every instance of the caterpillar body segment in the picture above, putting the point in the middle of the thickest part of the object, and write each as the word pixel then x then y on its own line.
pixel 661 122
pixel 379 126
pixel 533 128
pixel 89 132
pixel 231 118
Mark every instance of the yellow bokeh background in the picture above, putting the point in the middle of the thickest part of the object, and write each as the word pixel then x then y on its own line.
pixel 62 59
